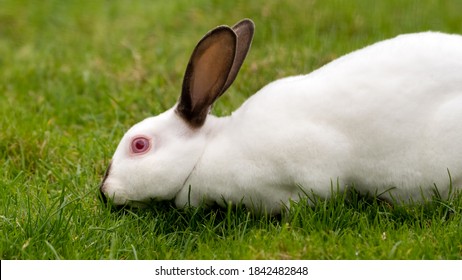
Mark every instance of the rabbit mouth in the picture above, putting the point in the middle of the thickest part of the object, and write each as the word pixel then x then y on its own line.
pixel 154 204
pixel 106 199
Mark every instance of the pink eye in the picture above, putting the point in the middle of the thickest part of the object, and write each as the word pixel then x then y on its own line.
pixel 140 145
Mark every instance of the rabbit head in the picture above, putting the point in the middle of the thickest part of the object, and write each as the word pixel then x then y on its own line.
pixel 155 157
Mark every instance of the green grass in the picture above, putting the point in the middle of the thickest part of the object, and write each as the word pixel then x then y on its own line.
pixel 74 75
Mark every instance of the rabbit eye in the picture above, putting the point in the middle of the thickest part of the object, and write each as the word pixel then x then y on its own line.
pixel 140 145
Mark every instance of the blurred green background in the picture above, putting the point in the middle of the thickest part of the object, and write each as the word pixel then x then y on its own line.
pixel 74 75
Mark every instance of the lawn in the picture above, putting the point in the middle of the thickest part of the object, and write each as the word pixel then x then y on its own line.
pixel 74 75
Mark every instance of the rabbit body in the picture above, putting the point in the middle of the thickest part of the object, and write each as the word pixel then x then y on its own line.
pixel 387 116
pixel 386 119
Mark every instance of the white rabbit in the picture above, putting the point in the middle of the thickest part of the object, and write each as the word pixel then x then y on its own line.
pixel 386 119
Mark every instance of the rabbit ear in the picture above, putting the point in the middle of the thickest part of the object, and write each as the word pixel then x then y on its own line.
pixel 206 74
pixel 244 31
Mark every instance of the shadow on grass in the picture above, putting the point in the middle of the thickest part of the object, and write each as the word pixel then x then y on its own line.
pixel 343 211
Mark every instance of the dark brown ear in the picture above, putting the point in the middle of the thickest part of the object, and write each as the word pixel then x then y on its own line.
pixel 244 31
pixel 206 74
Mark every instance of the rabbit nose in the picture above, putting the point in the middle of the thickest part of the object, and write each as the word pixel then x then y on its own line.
pixel 103 185
pixel 102 195
pixel 102 192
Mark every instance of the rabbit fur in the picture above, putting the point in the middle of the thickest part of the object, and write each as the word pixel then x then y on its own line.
pixel 386 119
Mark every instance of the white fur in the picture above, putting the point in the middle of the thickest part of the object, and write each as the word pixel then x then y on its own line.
pixel 387 116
